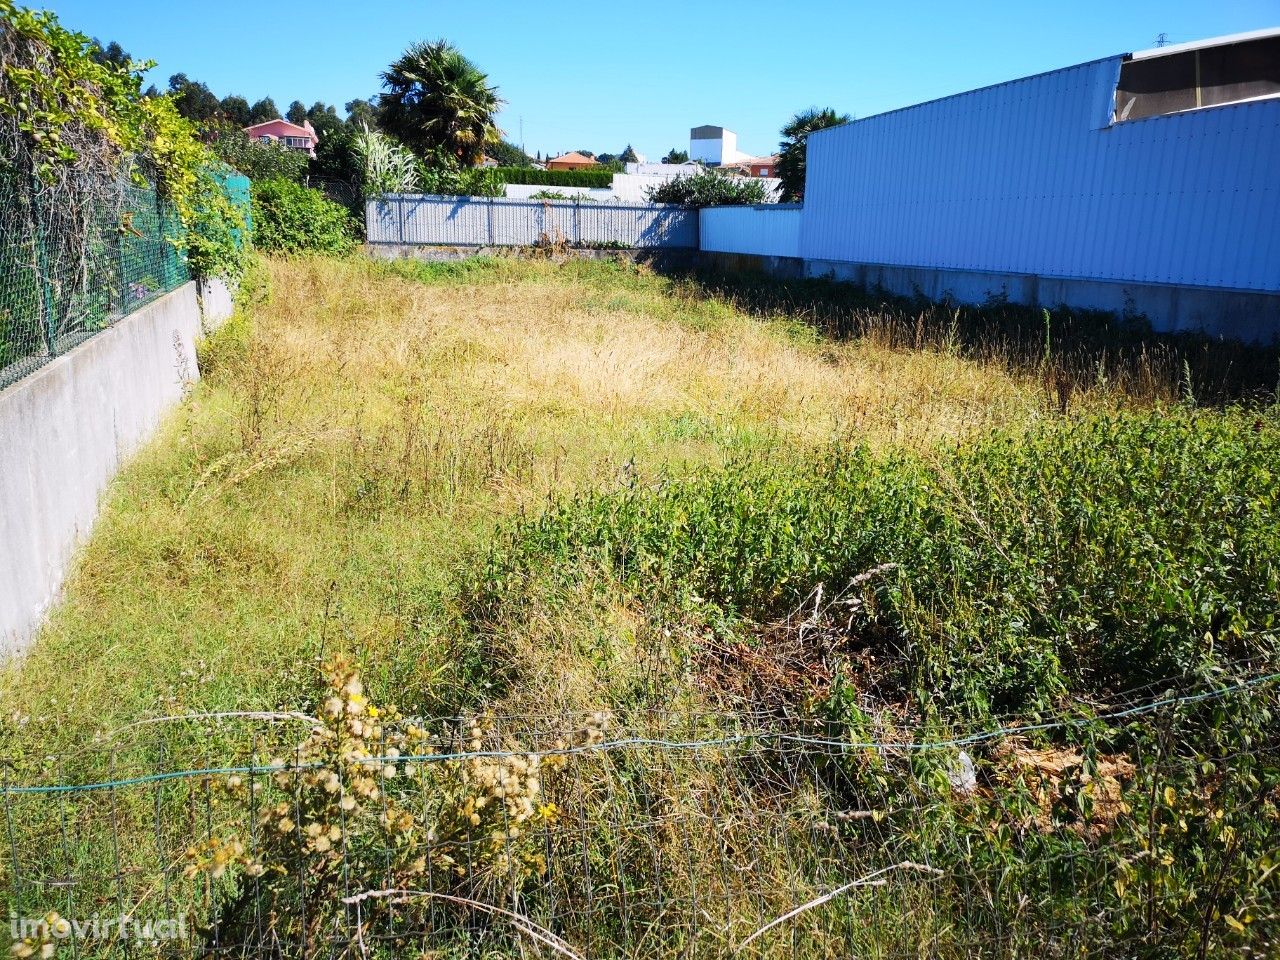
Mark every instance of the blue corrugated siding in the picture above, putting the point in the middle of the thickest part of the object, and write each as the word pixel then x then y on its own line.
pixel 1026 177
pixel 770 230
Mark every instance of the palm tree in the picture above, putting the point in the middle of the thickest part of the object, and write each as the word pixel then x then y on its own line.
pixel 437 102
pixel 791 151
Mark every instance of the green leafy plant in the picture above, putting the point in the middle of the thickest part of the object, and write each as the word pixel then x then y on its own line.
pixel 353 808
pixel 291 218
pixel 794 145
pixel 437 101
pixel 555 178
pixel 257 160
pixel 709 189
pixel 386 166
pixel 561 195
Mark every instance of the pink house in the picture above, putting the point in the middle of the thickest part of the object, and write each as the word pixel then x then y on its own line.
pixel 289 134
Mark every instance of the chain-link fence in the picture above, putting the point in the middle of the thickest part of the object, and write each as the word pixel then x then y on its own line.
pixel 73 261
pixel 1147 827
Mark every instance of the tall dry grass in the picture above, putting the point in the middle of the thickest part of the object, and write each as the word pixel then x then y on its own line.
pixel 358 432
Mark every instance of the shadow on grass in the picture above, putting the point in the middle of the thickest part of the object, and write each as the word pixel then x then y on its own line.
pixel 1071 350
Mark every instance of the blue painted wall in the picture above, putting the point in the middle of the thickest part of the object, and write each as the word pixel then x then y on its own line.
pixel 1031 177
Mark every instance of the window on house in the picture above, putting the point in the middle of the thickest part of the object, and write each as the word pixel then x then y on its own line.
pixel 264 139
pixel 764 171
pixel 1158 84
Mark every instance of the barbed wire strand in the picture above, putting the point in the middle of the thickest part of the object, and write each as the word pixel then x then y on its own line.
pixel 780 737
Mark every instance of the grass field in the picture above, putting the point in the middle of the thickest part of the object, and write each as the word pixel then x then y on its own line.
pixel 528 489
pixel 358 435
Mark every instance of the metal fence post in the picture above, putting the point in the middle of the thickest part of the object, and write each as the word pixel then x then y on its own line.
pixel 122 274
pixel 491 232
pixel 49 326
pixel 166 272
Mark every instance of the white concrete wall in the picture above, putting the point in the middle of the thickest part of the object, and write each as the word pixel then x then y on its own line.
pixel 662 169
pixel 67 428
pixel 523 191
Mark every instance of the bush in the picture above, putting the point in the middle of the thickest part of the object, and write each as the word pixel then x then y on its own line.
pixel 292 218
pixel 1080 559
pixel 447 179
pixel 709 190
pixel 555 178
pixel 561 195
pixel 260 161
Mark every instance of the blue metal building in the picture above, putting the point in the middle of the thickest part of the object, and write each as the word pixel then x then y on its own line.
pixel 1148 182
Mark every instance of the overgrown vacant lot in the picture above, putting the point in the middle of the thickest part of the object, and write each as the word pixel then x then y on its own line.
pixel 360 432
pixel 977 598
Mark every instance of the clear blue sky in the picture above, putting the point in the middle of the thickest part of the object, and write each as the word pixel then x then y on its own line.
pixel 600 74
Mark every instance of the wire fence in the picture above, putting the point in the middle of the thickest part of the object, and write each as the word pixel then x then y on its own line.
pixel 74 261
pixel 1151 825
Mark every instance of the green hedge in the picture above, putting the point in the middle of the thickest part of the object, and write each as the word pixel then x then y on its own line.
pixel 291 218
pixel 556 178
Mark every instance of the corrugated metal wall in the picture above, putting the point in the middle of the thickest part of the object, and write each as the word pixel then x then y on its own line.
pixel 1029 177
pixel 482 221
pixel 769 230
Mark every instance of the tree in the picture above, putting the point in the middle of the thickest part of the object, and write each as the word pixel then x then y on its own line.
pixel 709 189
pixel 361 113
pixel 629 155
pixel 438 101
pixel 676 156
pixel 110 55
pixel 325 120
pixel 264 110
pixel 195 101
pixel 791 151
pixel 296 113
pixel 258 161
pixel 337 167
pixel 235 110
pixel 508 154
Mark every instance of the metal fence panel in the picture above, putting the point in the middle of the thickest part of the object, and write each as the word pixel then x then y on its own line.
pixel 497 221
pixel 68 270
pixel 771 230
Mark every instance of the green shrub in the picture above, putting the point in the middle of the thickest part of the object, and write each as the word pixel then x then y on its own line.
pixel 1087 556
pixel 561 195
pixel 555 178
pixel 260 161
pixel 292 218
pixel 709 189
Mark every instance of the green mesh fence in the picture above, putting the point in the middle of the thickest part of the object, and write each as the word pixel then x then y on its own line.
pixel 69 269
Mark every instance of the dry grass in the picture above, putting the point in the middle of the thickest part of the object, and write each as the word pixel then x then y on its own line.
pixel 360 432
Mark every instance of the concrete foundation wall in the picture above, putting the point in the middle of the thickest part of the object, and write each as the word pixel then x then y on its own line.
pixel 65 431
pixel 1236 314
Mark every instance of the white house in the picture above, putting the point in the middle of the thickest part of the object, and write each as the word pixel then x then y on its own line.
pixel 715 146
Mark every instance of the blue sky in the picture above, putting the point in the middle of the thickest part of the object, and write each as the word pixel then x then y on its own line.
pixel 601 74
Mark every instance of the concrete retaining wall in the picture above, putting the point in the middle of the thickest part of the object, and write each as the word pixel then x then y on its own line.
pixel 65 431
pixel 1235 314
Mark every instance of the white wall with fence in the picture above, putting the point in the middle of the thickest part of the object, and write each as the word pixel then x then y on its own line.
pixel 769 230
pixel 416 219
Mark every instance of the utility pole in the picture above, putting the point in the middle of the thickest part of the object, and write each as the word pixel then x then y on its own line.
pixel 1162 40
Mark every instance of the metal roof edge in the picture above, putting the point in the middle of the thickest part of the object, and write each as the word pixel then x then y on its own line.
pixel 1172 48
pixel 964 93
